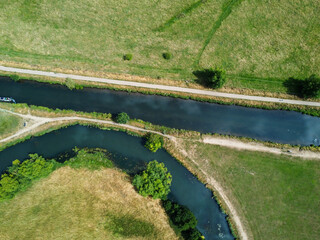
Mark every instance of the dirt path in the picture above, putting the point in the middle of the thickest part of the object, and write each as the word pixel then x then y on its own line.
pixel 232 143
pixel 160 87
pixel 251 146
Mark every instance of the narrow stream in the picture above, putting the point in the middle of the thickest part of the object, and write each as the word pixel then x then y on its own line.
pixel 267 125
pixel 129 154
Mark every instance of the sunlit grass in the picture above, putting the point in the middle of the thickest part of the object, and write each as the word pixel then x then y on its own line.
pixel 276 196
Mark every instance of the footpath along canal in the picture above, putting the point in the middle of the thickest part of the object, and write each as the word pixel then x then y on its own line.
pixel 267 125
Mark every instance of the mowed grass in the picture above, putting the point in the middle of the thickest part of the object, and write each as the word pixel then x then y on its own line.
pixel 83 204
pixel 8 123
pixel 259 43
pixel 277 197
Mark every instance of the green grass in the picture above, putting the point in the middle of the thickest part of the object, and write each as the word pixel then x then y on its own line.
pixel 83 201
pixel 276 196
pixel 9 123
pixel 258 43
pixel 267 40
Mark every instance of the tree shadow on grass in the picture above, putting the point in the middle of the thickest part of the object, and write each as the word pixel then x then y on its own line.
pixel 203 77
pixel 294 86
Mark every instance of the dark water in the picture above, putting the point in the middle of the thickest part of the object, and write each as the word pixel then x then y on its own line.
pixel 128 153
pixel 276 126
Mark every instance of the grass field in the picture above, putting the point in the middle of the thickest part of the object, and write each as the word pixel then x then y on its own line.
pixel 259 43
pixel 83 204
pixel 8 123
pixel 277 197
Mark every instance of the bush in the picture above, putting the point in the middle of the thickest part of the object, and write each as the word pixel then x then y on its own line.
pixel 180 215
pixel 155 181
pixel 122 118
pixel 15 77
pixel 167 56
pixel 183 219
pixel 127 57
pixel 70 83
pixel 192 234
pixel 213 78
pixel 153 142
pixel 20 175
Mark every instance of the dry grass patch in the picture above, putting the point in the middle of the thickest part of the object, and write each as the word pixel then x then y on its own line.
pixel 83 204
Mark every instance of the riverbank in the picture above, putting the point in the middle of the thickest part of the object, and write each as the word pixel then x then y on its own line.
pixel 81 203
pixel 276 196
pixel 140 128
pixel 199 94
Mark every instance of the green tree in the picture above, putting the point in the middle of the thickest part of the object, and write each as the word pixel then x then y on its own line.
pixel 310 87
pixel 122 118
pixel 155 181
pixel 213 78
pixel 153 142
pixel 9 185
pixel 180 215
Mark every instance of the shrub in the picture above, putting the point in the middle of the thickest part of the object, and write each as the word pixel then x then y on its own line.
pixel 20 175
pixel 70 83
pixel 122 118
pixel 167 55
pixel 155 181
pixel 192 234
pixel 183 219
pixel 15 77
pixel 213 78
pixel 153 142
pixel 127 57
pixel 180 215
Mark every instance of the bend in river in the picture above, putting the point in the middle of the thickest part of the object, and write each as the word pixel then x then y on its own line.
pixel 267 125
pixel 129 154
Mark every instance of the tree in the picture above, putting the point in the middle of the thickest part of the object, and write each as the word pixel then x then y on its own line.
pixel 154 142
pixel 213 78
pixel 180 215
pixel 155 181
pixel 122 118
pixel 310 87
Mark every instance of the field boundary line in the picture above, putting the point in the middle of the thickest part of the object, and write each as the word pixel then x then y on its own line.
pixel 180 15
pixel 225 13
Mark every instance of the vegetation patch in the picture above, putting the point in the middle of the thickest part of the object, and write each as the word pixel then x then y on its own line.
pixel 122 118
pixel 20 175
pixel 155 181
pixel 9 123
pixel 127 226
pixel 213 78
pixel 83 204
pixel 272 193
pixel 183 219
pixel 153 142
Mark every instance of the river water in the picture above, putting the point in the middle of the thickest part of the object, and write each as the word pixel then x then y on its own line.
pixel 129 154
pixel 266 125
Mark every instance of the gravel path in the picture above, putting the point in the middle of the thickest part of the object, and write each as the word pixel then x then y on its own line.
pixel 159 87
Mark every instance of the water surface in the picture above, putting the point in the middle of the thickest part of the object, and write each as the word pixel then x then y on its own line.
pixel 268 125
pixel 128 153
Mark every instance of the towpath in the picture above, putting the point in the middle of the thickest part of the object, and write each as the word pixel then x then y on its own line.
pixel 159 87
